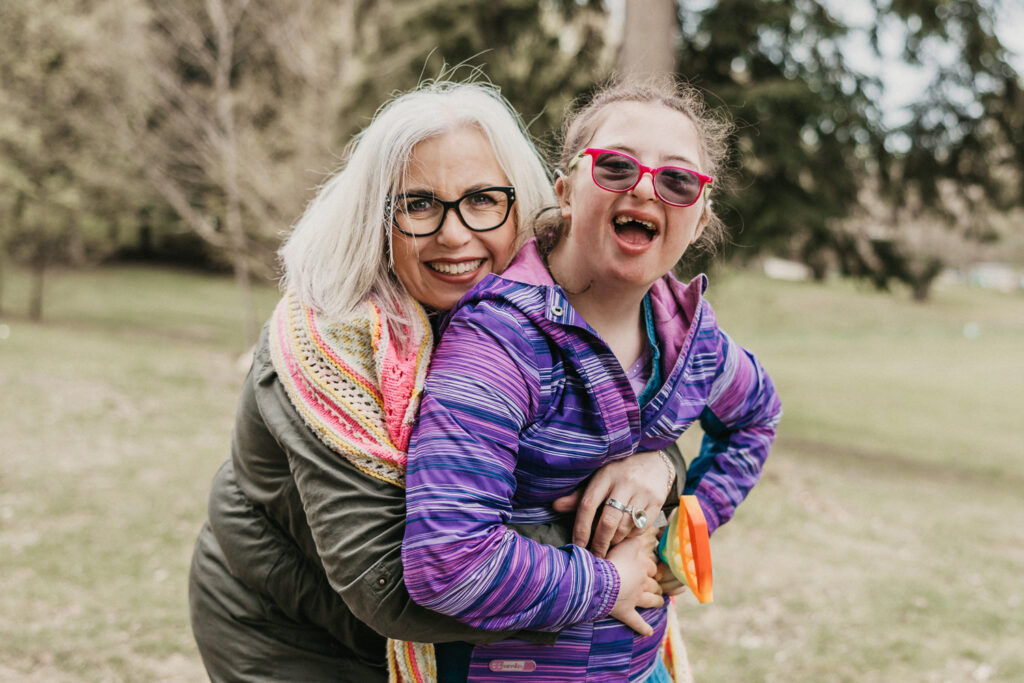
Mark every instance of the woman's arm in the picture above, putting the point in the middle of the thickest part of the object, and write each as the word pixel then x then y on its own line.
pixel 739 423
pixel 357 523
pixel 265 558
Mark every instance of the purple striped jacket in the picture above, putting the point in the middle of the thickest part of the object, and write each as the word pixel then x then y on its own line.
pixel 523 402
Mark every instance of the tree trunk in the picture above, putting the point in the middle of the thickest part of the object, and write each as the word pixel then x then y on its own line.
pixel 35 292
pixel 649 39
pixel 921 287
pixel 224 27
pixel 3 272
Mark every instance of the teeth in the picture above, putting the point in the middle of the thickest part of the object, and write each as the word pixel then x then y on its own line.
pixel 622 220
pixel 456 268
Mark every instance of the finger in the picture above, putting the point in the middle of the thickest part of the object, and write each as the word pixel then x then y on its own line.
pixel 590 505
pixel 590 502
pixel 625 528
pixel 605 530
pixel 677 590
pixel 646 599
pixel 633 620
pixel 650 541
pixel 669 584
pixel 567 503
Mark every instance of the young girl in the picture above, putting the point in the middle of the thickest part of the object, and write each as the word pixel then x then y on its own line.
pixel 585 350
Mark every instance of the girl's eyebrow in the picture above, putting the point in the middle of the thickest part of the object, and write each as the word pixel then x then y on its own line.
pixel 674 158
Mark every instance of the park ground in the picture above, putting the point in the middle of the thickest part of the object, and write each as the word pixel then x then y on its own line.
pixel 885 541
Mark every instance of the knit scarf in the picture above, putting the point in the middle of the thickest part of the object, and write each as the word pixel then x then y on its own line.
pixel 359 393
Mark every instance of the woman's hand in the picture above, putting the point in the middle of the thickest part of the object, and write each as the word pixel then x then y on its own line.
pixel 634 560
pixel 640 482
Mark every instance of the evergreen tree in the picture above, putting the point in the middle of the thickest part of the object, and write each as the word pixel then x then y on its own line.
pixel 812 138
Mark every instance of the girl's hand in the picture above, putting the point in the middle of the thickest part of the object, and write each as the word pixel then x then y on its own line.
pixel 641 482
pixel 670 585
pixel 634 560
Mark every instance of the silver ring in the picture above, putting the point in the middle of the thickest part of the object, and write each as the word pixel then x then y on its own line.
pixel 639 518
pixel 617 504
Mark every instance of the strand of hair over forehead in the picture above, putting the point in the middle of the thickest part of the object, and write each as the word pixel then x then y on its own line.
pixel 336 254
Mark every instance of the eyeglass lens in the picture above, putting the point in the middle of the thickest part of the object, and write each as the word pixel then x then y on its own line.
pixel 619 173
pixel 423 215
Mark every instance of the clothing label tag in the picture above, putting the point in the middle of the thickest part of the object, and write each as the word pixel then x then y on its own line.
pixel 507 665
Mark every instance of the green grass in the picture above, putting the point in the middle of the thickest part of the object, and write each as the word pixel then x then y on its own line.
pixel 115 412
pixel 885 541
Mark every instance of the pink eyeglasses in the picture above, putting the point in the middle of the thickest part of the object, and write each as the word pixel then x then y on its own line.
pixel 618 172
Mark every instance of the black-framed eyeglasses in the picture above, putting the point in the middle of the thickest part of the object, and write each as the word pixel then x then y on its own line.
pixel 421 215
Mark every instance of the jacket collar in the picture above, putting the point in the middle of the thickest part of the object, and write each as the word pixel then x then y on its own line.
pixel 675 304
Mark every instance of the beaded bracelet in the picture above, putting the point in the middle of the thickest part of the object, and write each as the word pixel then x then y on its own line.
pixel 671 469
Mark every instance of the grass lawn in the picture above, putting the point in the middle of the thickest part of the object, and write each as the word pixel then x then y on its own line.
pixel 884 543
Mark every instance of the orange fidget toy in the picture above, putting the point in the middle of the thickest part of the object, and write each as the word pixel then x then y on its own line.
pixel 685 548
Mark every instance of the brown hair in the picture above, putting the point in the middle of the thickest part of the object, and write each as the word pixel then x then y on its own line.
pixel 582 122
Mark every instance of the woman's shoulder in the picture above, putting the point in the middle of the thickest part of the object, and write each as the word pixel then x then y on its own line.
pixel 350 380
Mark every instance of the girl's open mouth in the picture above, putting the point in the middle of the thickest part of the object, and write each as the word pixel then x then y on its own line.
pixel 634 231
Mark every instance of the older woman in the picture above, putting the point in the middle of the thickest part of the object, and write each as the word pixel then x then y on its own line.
pixel 298 570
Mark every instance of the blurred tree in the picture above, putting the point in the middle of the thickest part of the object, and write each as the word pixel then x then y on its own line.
pixel 541 54
pixel 222 104
pixel 219 102
pixel 811 135
pixel 57 173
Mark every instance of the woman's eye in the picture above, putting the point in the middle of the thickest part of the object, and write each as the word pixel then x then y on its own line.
pixel 417 205
pixel 481 200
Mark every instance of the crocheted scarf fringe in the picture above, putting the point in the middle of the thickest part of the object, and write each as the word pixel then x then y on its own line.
pixel 359 393
pixel 411 662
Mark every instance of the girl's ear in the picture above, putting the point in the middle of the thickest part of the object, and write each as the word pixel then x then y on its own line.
pixel 564 199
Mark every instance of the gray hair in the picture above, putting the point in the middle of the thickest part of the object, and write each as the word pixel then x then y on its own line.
pixel 339 251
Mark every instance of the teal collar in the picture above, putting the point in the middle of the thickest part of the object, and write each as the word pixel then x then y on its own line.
pixel 654 382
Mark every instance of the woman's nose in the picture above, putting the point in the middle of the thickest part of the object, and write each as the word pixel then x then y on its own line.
pixel 453 232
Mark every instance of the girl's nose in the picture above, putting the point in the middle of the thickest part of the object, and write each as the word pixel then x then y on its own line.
pixel 644 188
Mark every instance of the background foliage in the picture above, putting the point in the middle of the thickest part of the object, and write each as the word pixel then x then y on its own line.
pixel 197 130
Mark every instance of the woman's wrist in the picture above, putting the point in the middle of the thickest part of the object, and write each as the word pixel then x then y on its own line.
pixel 671 471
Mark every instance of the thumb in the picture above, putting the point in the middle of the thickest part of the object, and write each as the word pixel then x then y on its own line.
pixel 567 503
pixel 633 620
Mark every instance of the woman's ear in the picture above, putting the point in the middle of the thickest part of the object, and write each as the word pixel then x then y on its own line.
pixel 564 199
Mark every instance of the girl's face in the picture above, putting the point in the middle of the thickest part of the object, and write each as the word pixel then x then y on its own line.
pixel 631 239
pixel 439 268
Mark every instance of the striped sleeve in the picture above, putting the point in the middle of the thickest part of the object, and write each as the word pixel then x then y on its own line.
pixel 459 557
pixel 739 423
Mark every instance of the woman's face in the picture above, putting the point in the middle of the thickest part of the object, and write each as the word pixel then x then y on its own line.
pixel 631 239
pixel 438 269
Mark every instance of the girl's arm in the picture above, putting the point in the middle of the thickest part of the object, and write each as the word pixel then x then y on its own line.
pixel 460 557
pixel 739 423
